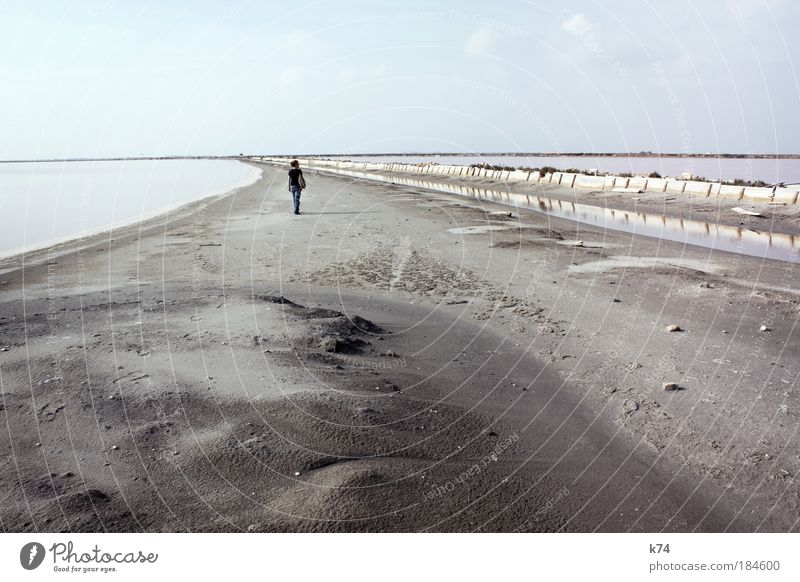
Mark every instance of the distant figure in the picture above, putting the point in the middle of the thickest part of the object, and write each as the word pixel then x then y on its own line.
pixel 296 184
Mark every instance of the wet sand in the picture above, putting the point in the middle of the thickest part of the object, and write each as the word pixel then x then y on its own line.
pixel 383 362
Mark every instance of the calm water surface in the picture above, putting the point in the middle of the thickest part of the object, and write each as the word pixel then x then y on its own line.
pixel 717 237
pixel 46 202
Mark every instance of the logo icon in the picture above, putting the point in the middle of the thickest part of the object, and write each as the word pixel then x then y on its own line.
pixel 31 555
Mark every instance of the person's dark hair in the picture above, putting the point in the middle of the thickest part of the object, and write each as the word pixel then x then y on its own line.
pixel 294 164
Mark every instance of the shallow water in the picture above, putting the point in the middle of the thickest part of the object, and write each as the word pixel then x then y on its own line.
pixel 742 241
pixel 46 202
pixel 768 170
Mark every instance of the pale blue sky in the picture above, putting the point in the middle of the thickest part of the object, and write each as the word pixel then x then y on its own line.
pixel 108 78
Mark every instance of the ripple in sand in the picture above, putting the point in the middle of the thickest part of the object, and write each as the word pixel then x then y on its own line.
pixel 476 229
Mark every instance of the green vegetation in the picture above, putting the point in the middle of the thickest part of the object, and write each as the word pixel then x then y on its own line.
pixel 747 183
pixel 491 167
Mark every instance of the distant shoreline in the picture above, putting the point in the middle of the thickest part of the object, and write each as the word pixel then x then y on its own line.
pixel 571 155
pixel 143 158
pixel 432 154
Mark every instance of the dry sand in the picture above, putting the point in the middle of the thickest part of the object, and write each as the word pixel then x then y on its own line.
pixel 366 367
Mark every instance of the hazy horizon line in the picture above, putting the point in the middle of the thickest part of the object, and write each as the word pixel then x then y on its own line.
pixel 640 154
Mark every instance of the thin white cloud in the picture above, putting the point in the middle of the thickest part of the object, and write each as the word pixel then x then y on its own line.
pixel 346 75
pixel 301 44
pixel 577 24
pixel 291 75
pixel 295 38
pixel 479 41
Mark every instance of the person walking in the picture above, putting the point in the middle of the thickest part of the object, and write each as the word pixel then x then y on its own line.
pixel 296 184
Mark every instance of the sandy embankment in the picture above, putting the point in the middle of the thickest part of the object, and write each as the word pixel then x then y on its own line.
pixel 211 372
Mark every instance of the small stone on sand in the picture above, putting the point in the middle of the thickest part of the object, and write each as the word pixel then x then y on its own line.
pixel 630 406
pixel 328 344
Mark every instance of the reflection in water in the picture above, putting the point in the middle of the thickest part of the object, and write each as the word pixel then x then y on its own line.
pixel 780 247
